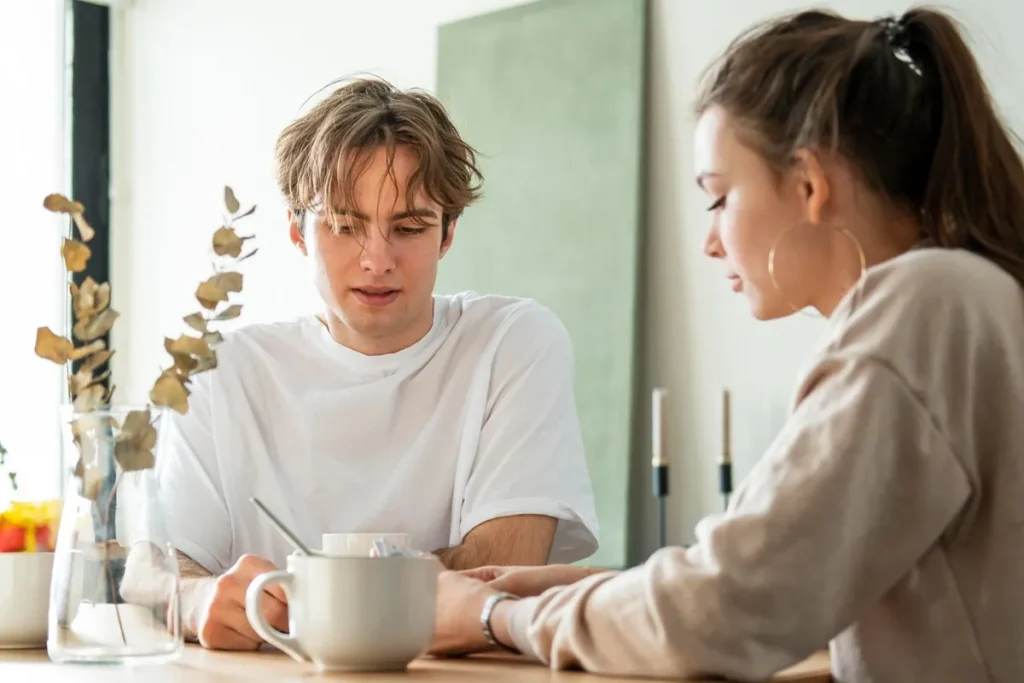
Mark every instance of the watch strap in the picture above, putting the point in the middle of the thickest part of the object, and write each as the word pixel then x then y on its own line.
pixel 485 619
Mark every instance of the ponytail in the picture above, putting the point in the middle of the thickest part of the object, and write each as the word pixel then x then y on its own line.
pixel 974 192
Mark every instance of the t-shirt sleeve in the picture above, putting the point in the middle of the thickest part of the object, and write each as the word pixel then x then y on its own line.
pixel 857 487
pixel 530 458
pixel 189 484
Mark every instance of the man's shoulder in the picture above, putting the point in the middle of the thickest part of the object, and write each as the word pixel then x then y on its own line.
pixel 502 316
pixel 267 339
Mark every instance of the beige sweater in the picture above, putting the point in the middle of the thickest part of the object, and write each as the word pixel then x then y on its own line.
pixel 886 519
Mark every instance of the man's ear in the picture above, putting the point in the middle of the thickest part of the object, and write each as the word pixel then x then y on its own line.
pixel 814 185
pixel 448 238
pixel 295 231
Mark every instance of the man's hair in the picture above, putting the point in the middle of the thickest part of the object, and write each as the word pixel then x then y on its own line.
pixel 321 155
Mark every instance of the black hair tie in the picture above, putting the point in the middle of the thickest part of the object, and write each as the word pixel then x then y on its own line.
pixel 896 33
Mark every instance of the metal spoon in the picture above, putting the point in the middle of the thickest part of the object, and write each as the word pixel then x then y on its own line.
pixel 285 531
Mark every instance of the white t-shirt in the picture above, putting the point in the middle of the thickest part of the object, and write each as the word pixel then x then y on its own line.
pixel 475 421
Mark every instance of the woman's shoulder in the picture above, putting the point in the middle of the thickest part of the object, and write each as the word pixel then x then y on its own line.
pixel 932 301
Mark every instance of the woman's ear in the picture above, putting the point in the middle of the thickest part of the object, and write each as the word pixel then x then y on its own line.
pixel 814 185
pixel 295 231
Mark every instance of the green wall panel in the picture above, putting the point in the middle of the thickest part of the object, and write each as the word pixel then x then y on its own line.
pixel 552 95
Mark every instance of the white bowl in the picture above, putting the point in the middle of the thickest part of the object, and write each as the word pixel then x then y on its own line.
pixel 24 599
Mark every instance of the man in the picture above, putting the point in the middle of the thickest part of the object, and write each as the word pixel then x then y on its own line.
pixel 450 418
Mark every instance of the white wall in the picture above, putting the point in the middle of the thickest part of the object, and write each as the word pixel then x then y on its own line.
pixel 204 86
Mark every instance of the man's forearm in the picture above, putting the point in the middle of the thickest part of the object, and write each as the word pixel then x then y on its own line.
pixel 520 540
pixel 197 584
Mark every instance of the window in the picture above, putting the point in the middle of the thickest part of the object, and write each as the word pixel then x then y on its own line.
pixel 34 135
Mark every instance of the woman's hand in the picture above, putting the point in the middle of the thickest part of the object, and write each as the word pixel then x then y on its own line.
pixel 460 600
pixel 529 581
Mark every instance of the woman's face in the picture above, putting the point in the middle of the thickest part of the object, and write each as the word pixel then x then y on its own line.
pixel 758 213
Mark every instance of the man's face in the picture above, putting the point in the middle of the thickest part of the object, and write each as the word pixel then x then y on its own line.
pixel 375 263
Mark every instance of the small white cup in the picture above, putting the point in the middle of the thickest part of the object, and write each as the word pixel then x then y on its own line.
pixel 357 545
pixel 351 613
pixel 24 599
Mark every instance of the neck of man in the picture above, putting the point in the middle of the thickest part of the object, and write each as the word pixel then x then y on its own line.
pixel 370 345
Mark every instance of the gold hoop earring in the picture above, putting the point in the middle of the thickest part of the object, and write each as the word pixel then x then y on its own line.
pixel 862 259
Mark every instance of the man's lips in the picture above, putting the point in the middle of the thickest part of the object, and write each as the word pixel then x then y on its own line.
pixel 376 296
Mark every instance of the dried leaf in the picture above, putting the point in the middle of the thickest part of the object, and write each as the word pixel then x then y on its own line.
pixel 226 242
pixel 248 212
pixel 53 347
pixel 58 203
pixel 134 447
pixel 87 350
pixel 132 458
pixel 95 326
pixel 197 322
pixel 229 281
pixel 89 399
pixel 215 289
pixel 90 298
pixel 213 338
pixel 96 360
pixel 189 346
pixel 84 229
pixel 232 311
pixel 79 381
pixel 91 487
pixel 254 250
pixel 209 295
pixel 76 255
pixel 170 391
pixel 204 364
pixel 230 201
pixel 137 427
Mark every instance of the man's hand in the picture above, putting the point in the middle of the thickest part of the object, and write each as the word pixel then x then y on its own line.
pixel 529 581
pixel 220 621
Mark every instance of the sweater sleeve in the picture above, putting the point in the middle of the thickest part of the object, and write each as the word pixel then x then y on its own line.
pixel 857 486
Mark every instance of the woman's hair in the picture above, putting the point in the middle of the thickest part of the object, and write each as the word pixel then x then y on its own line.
pixel 902 100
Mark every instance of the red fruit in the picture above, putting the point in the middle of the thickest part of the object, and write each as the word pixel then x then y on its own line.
pixel 12 538
pixel 44 540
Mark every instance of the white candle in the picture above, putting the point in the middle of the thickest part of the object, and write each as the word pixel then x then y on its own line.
pixel 726 427
pixel 658 428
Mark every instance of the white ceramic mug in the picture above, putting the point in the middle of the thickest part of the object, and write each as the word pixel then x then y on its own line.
pixel 358 544
pixel 351 613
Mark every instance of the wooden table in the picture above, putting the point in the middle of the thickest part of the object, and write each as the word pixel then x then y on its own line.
pixel 202 666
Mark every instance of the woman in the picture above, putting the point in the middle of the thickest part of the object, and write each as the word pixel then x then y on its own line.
pixel 857 168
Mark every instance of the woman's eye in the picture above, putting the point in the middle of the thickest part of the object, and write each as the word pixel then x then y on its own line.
pixel 718 204
pixel 406 230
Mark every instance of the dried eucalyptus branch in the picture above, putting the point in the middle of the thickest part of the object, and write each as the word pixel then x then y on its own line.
pixel 94 318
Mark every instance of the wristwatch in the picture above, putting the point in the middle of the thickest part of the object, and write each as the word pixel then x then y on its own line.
pixel 485 620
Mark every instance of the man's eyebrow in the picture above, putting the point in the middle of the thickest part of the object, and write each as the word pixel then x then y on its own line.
pixel 401 215
pixel 353 214
pixel 415 213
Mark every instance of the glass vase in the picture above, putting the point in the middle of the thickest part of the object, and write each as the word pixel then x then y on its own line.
pixel 114 595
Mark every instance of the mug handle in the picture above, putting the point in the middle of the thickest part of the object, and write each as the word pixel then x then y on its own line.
pixel 283 641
